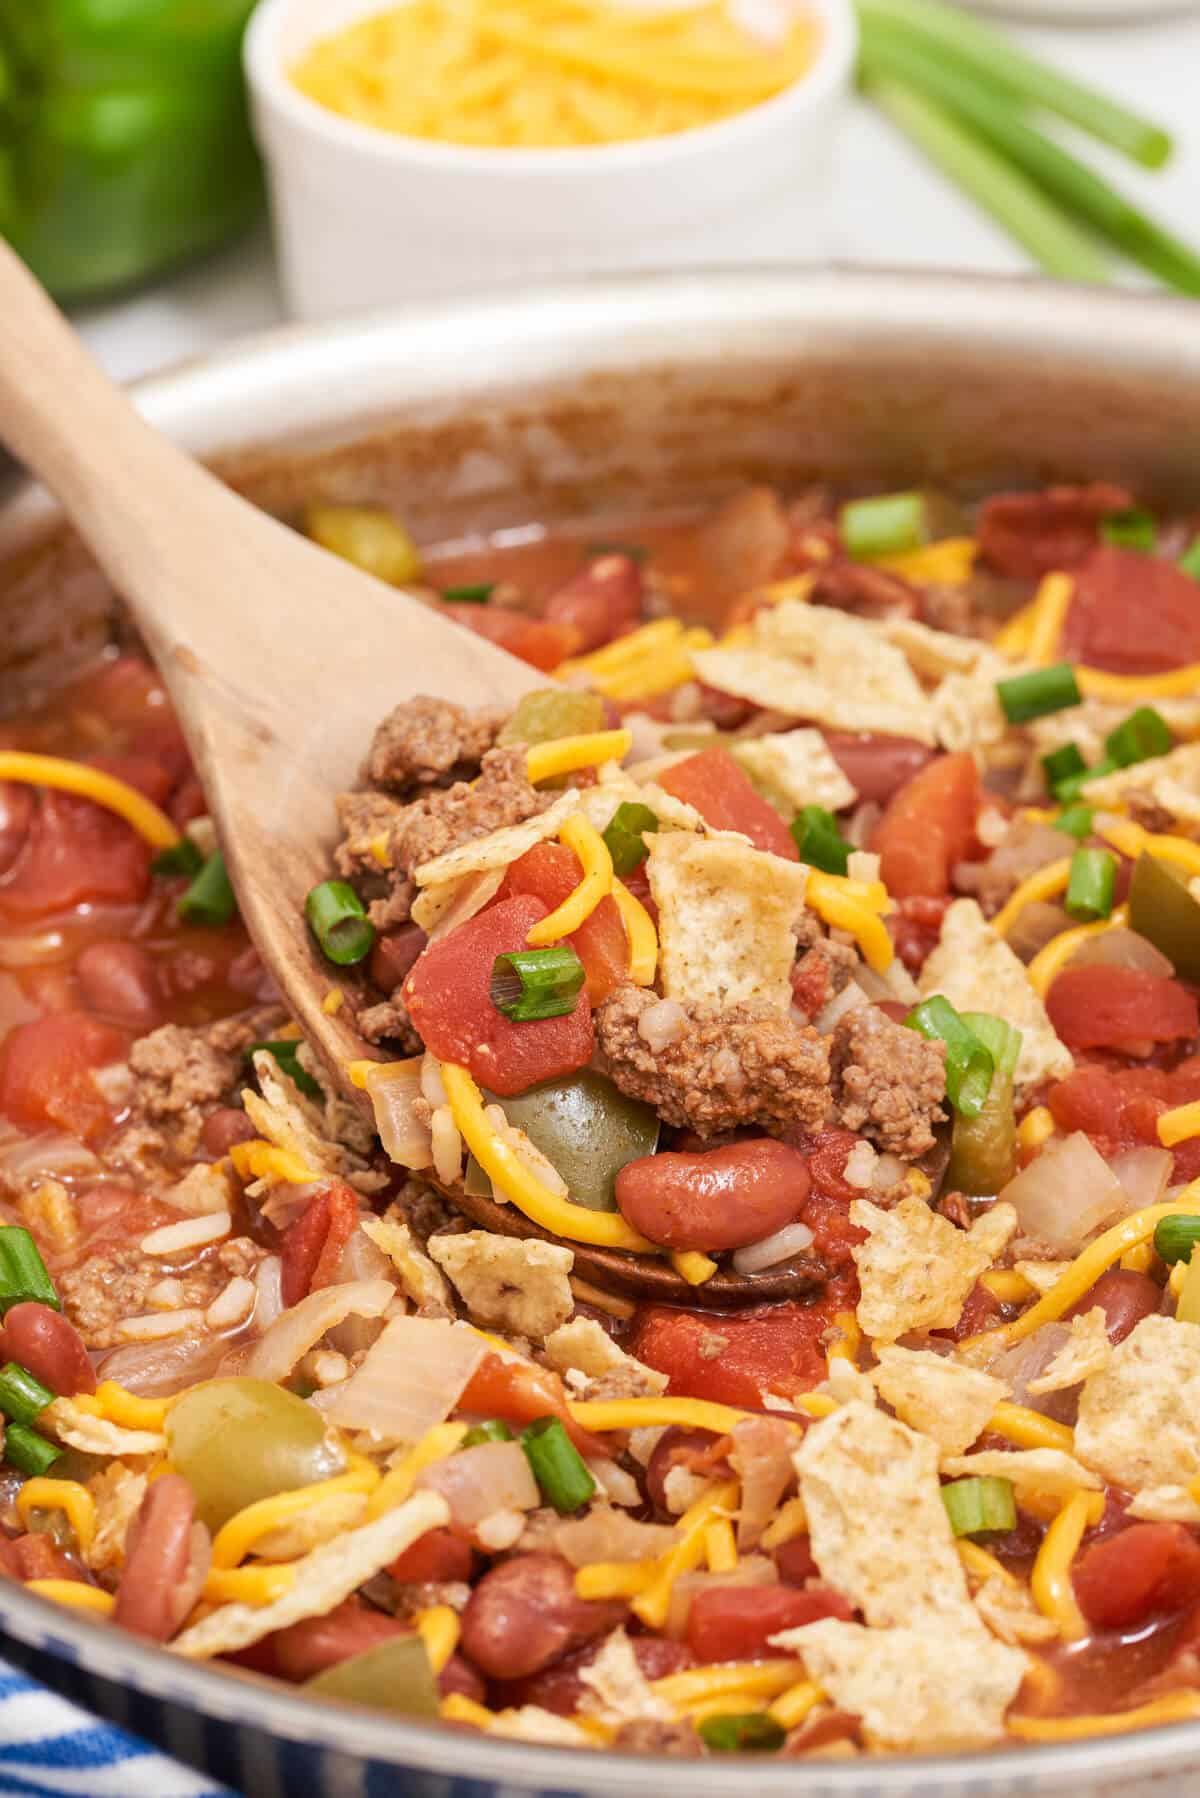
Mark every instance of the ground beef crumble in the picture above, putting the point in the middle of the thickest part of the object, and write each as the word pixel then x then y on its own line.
pixel 182 1074
pixel 389 1022
pixel 888 1082
pixel 428 742
pixel 445 820
pixel 823 971
pixel 111 1287
pixel 751 1065
pixel 366 818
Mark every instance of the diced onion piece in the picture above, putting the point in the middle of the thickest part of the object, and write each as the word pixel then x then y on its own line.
pixel 1145 1173
pixel 475 1482
pixel 394 1088
pixel 295 1331
pixel 447 1146
pixel 1121 948
pixel 410 1380
pixel 660 1025
pixel 849 999
pixel 793 1239
pixel 1066 1194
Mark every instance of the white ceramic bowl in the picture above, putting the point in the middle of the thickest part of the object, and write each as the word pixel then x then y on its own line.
pixel 364 219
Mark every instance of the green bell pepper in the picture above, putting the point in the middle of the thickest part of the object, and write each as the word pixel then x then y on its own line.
pixel 587 1129
pixel 125 144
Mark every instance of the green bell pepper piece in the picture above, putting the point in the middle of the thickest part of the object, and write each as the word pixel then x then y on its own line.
pixel 392 1676
pixel 587 1129
pixel 125 143
pixel 1163 911
pixel 553 712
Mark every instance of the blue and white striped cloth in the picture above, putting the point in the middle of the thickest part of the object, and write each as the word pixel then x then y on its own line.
pixel 50 1748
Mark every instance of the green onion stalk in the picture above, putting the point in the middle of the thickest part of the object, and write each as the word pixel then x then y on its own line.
pixel 983 1147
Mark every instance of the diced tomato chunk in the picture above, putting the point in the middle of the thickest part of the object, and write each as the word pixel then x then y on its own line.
pixel 448 994
pixel 437 1555
pixel 551 872
pixel 726 798
pixel 538 641
pixel 735 1358
pixel 144 773
pixel 735 1623
pixel 1145 1570
pixel 521 1392
pixel 603 601
pixel 795 1560
pixel 313 1245
pixel 1115 586
pixel 927 828
pixel 75 851
pixel 1107 1007
pixel 46 1073
pixel 1031 534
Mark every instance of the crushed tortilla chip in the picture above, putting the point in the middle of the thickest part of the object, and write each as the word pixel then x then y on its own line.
pixel 117 1493
pixel 1085 1352
pixel 323 1579
pixel 1049 1470
pixel 289 1119
pixel 933 654
pixel 1042 1275
pixel 967 713
pixel 617 1691
pixel 912 1687
pixel 500 847
pixel 324 1519
pixel 583 1346
pixel 517 1284
pixel 794 768
pixel 204 1189
pixel 421 1280
pixel 442 908
pixel 1010 1613
pixel 96 1435
pixel 916 1268
pixel 1164 1504
pixel 1170 781
pixel 943 1399
pixel 878 1529
pixel 530 1723
pixel 727 918
pixel 617 786
pixel 1139 1417
pixel 976 970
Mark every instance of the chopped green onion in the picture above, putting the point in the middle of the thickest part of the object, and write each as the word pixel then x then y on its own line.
pixel 884 525
pixel 1175 1238
pixel 1062 763
pixel 821 844
pixel 537 983
pixel 1001 1039
pixel 22 1271
pixel 625 836
pixel 182 857
pixel 969 1064
pixel 748 1732
pixel 976 1506
pixel 558 1467
pixel 494 1430
pixel 1070 789
pixel 1090 885
pixel 1189 561
pixel 336 918
pixel 983 1149
pixel 28 1452
pixel 22 1397
pixel 1038 693
pixel 209 899
pixel 475 593
pixel 947 34
pixel 1138 738
pixel 285 1053
pixel 1133 529
pixel 1076 820
pixel 637 552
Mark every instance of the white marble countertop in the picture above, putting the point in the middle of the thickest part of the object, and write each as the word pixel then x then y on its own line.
pixel 888 206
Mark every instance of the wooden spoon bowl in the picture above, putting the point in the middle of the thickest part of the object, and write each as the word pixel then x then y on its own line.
pixel 279 659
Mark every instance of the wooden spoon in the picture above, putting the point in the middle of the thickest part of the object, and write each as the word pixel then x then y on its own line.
pixel 280 660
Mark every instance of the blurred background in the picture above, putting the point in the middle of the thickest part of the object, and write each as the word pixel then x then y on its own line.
pixel 130 180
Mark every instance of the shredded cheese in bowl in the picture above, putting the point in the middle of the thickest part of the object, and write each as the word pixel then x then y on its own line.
pixel 535 74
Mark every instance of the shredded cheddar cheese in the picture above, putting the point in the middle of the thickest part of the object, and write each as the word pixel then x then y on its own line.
pixel 587 1294
pixel 1005 1284
pixel 398 1483
pixel 653 1604
pixel 565 755
pixel 845 1339
pixel 1029 1429
pixel 236 1538
pixel 439 1629
pixel 757 1679
pixel 90 783
pixel 503 1166
pixel 1036 1127
pixel 853 905
pixel 1051 603
pixel 790 1520
pixel 259 1160
pixel 614 1579
pixel 1050 1580
pixel 1047 883
pixel 640 931
pixel 68 1496
pixel 1138 1260
pixel 1174 1707
pixel 256 1585
pixel 793 1706
pixel 333 1001
pixel 693 1267
pixel 948 563
pixel 458 1708
pixel 587 843
pixel 602 1414
pixel 1097 683
pixel 1179 1125
pixel 1050 961
pixel 1131 840
pixel 1013 638
pixel 720 1548
pixel 524 74
pixel 74 1592
pixel 981 1565
pixel 129 1409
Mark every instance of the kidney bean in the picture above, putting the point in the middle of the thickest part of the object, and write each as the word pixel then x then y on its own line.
pixel 876 766
pixel 1124 1297
pixel 307 1648
pixel 45 1342
pixel 458 1675
pixel 394 954
pixel 603 601
pixel 735 1623
pixel 158 1559
pixel 435 1556
pixel 722 1199
pixel 120 981
pixel 795 1561
pixel 223 1127
pixel 560 1688
pixel 524 1615
pixel 696 1450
